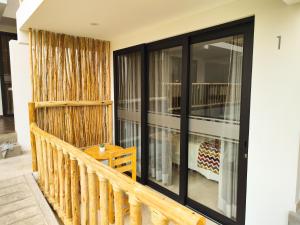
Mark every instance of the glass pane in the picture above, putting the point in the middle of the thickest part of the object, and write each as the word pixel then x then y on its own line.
pixel 215 93
pixel 164 117
pixel 129 102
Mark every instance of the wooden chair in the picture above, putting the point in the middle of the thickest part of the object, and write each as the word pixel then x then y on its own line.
pixel 123 161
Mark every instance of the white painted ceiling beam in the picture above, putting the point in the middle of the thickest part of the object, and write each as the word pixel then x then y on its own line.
pixel 291 2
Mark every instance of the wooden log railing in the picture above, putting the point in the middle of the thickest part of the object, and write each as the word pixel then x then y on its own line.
pixel 68 178
pixel 34 106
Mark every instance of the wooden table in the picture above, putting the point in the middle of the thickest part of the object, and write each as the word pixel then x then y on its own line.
pixel 96 154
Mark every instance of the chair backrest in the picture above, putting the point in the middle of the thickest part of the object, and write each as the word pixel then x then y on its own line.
pixel 125 161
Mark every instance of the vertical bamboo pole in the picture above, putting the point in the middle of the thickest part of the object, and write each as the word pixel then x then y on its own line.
pixel 135 210
pixel 103 200
pixel 119 203
pixel 45 166
pixel 75 191
pixel 84 194
pixel 68 208
pixel 93 217
pixel 157 218
pixel 32 119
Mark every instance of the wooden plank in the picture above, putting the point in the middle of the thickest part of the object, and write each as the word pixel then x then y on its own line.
pixel 124 168
pixel 71 103
pixel 122 160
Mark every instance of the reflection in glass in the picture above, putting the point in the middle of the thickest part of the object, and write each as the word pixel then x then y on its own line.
pixel 163 116
pixel 214 115
pixel 129 102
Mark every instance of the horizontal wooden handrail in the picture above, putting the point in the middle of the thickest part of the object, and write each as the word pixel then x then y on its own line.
pixel 71 103
pixel 162 207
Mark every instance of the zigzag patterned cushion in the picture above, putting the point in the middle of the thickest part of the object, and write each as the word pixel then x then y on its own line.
pixel 209 156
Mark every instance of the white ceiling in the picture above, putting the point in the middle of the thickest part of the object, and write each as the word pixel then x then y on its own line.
pixel 114 17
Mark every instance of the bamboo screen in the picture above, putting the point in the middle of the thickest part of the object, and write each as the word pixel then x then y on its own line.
pixel 67 68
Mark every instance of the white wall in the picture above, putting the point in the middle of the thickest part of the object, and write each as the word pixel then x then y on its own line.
pixel 21 85
pixel 275 106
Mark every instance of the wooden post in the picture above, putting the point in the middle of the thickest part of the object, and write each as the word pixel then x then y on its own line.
pixel 68 209
pixel 84 194
pixel 55 174
pixel 158 219
pixel 39 160
pixel 75 191
pixel 61 177
pixel 93 217
pixel 135 210
pixel 50 169
pixel 32 119
pixel 111 204
pixel 45 167
pixel 103 200
pixel 119 203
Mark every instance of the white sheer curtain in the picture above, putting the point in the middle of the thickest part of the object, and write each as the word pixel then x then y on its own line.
pixel 130 101
pixel 227 201
pixel 160 138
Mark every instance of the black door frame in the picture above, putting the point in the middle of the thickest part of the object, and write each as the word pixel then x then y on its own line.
pixel 243 26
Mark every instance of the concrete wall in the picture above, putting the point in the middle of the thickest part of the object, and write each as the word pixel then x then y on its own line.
pixel 275 105
pixel 21 85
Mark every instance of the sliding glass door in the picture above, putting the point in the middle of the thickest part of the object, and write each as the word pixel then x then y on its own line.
pixel 214 123
pixel 128 120
pixel 164 97
pixel 184 102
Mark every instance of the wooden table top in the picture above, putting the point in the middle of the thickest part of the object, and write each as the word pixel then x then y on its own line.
pixel 94 151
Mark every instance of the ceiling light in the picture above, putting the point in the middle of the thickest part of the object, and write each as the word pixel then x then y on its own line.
pixel 94 24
